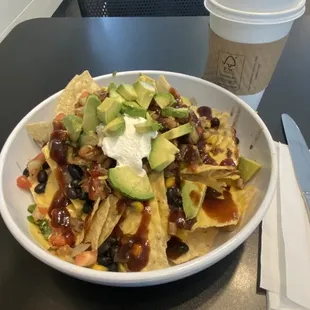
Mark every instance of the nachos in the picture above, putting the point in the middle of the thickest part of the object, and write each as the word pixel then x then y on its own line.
pixel 134 177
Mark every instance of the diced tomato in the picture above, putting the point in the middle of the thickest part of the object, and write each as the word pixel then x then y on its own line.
pixel 86 258
pixel 23 182
pixel 42 210
pixel 59 117
pixel 37 215
pixel 84 94
pixel 57 240
pixel 96 171
pixel 35 164
pixel 95 189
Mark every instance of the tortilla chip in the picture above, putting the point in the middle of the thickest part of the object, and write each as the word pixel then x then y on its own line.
pixel 212 176
pixel 72 92
pixel 112 219
pixel 98 222
pixel 241 198
pixel 159 188
pixel 156 235
pixel 89 218
pixel 199 243
pixel 40 132
pixel 46 152
pixel 131 221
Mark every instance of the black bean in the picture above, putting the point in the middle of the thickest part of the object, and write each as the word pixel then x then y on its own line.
pixel 83 196
pixel 174 197
pixel 75 184
pixel 42 176
pixel 183 248
pixel 112 240
pixel 205 111
pixel 215 122
pixel 72 193
pixel 113 251
pixel 26 172
pixel 212 193
pixel 104 260
pixel 103 248
pixel 40 188
pixel 75 171
pixel 87 207
pixel 237 140
pixel 113 267
pixel 45 165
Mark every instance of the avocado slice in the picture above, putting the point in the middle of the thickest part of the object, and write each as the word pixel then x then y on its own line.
pixel 115 127
pixel 112 86
pixel 162 153
pixel 148 125
pixel 179 113
pixel 247 168
pixel 162 85
pixel 73 125
pixel 178 131
pixel 192 196
pixel 163 99
pixel 147 79
pixel 130 184
pixel 145 92
pixel 108 110
pixel 90 120
pixel 114 94
pixel 127 91
pixel 88 138
pixel 131 108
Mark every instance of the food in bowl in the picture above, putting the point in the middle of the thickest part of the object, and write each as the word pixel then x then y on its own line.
pixel 134 177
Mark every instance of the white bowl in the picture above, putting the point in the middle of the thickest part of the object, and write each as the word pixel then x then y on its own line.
pixel 251 130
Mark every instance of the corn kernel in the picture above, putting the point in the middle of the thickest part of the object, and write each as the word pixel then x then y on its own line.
pixel 122 268
pixel 138 206
pixel 99 267
pixel 170 182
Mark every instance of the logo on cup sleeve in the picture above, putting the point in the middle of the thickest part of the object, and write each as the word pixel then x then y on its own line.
pixel 229 70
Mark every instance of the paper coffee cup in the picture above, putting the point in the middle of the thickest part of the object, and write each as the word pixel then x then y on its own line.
pixel 247 38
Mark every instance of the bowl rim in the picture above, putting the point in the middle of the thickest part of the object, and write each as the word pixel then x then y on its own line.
pixel 149 277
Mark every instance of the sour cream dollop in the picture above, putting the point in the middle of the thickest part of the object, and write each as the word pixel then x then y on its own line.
pixel 129 148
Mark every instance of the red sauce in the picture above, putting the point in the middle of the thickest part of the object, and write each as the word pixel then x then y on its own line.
pixel 227 162
pixel 59 147
pixel 69 236
pixel 222 210
pixel 178 217
pixel 195 197
pixel 135 249
pixel 208 160
pixel 60 216
pixel 59 201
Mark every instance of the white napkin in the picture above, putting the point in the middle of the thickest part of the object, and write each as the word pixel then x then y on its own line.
pixel 285 255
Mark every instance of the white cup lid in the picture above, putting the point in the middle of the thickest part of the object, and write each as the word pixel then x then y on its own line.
pixel 257 11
